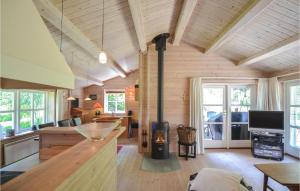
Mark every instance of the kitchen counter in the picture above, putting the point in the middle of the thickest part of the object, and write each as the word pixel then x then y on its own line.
pixel 88 165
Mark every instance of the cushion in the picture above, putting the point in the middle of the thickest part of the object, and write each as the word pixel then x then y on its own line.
pixel 210 179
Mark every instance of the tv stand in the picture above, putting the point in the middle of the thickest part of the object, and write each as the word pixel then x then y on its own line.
pixel 267 145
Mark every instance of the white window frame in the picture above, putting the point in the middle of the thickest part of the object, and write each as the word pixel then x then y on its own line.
pixel 14 111
pixel 31 110
pixel 105 101
pixel 290 149
pixel 17 110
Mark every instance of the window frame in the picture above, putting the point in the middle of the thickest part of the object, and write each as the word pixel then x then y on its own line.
pixel 288 106
pixel 17 109
pixel 31 110
pixel 105 101
pixel 14 111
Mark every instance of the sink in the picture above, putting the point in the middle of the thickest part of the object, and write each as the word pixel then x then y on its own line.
pixel 97 131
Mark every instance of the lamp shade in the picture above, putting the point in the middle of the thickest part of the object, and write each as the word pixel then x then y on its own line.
pixel 87 99
pixel 97 106
pixel 102 57
pixel 71 98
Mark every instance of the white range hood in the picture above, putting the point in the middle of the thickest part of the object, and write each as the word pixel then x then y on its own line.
pixel 28 51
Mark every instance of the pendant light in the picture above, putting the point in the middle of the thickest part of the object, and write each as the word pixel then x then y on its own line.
pixel 102 54
pixel 71 98
pixel 87 98
pixel 61 25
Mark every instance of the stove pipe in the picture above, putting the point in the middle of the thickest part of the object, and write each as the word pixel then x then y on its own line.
pixel 160 47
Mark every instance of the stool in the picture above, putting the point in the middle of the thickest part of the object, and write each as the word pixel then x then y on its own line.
pixel 187 148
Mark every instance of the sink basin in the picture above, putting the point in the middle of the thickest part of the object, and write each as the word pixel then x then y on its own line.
pixel 97 131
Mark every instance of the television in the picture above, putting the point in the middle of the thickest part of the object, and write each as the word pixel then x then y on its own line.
pixel 266 121
pixel 75 103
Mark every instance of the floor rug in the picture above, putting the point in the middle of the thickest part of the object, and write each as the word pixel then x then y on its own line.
pixel 119 147
pixel 166 165
pixel 8 175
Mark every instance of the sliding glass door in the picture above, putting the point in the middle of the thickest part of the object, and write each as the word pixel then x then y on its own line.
pixel 225 115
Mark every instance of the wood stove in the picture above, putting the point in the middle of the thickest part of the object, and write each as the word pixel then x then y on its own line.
pixel 160 128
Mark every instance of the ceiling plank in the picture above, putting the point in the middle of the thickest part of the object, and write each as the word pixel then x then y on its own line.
pixel 272 51
pixel 183 20
pixel 250 12
pixel 49 12
pixel 137 17
pixel 89 80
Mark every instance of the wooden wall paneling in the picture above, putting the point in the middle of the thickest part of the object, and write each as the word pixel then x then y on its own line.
pixel 53 15
pixel 251 11
pixel 281 62
pixel 208 20
pixel 183 20
pixel 277 23
pixel 276 49
pixel 115 83
pixel 181 63
pixel 160 16
pixel 137 17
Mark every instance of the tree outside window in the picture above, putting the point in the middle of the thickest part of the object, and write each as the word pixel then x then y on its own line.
pixel 114 101
pixel 7 110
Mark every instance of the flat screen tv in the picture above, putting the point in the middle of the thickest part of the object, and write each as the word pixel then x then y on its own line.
pixel 266 121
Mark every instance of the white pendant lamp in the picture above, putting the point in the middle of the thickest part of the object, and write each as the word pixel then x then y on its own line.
pixel 102 54
pixel 87 98
pixel 102 57
pixel 71 98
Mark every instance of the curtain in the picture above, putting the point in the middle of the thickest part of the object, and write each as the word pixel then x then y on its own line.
pixel 274 94
pixel 262 94
pixel 60 104
pixel 196 112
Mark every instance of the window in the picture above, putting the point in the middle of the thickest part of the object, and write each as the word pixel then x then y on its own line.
pixel 32 109
pixel 293 114
pixel 240 104
pixel 7 110
pixel 20 109
pixel 114 101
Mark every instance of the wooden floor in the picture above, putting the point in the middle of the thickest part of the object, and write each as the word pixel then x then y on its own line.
pixel 131 177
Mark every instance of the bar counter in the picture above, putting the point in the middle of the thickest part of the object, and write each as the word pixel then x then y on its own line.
pixel 88 165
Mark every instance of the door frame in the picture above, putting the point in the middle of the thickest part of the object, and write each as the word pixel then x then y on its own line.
pixel 217 143
pixel 226 142
pixel 238 143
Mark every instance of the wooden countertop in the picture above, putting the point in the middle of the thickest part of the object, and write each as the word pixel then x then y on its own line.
pixel 58 130
pixel 284 173
pixel 51 173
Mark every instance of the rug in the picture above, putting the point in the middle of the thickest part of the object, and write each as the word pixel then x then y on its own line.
pixel 119 147
pixel 8 175
pixel 166 165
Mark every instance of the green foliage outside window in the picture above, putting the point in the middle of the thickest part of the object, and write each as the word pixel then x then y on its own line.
pixel 6 100
pixel 115 102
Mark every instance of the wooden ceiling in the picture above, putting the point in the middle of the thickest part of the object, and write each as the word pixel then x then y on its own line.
pixel 262 34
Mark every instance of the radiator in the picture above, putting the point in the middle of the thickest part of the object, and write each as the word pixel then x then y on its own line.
pixel 20 149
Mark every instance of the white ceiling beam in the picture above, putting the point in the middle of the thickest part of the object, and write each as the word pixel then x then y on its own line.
pixel 272 51
pixel 137 17
pixel 49 12
pixel 89 80
pixel 183 20
pixel 250 12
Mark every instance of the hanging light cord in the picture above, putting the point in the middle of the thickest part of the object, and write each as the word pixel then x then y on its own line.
pixel 102 40
pixel 61 24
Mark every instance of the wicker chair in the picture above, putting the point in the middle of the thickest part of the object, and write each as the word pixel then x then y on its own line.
pixel 187 138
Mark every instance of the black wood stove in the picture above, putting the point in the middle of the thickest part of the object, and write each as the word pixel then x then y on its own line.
pixel 160 128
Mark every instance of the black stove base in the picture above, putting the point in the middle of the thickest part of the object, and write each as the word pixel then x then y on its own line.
pixel 160 151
